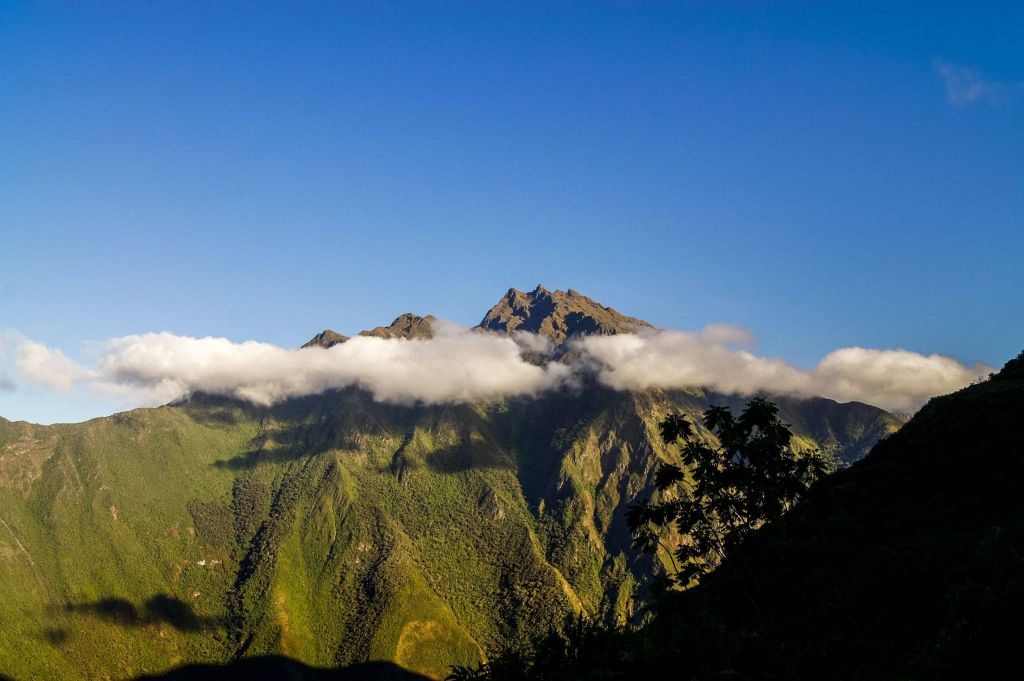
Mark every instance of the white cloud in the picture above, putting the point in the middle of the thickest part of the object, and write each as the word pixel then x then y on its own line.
pixel 48 366
pixel 677 359
pixel 725 334
pixel 533 342
pixel 459 365
pixel 895 379
pixel 892 379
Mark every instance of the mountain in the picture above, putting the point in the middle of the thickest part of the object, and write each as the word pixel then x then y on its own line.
pixel 326 339
pixel 334 529
pixel 906 565
pixel 407 325
pixel 558 315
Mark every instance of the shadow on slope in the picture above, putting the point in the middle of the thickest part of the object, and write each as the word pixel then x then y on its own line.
pixel 468 456
pixel 297 429
pixel 292 443
pixel 276 667
pixel 157 609
pixel 303 428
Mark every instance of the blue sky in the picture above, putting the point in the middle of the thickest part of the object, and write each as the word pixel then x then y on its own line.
pixel 824 174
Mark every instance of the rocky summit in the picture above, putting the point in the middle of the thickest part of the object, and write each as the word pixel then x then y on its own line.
pixel 558 315
pixel 407 325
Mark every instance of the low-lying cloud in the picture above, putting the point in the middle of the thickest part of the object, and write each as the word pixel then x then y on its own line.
pixel 455 366
pixel 459 365
pixel 892 379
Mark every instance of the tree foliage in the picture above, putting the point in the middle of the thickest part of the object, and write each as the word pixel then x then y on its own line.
pixel 722 493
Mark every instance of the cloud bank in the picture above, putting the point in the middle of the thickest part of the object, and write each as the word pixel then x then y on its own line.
pixel 891 379
pixel 455 366
pixel 459 365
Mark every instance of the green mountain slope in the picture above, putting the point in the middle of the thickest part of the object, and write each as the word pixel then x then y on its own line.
pixel 332 529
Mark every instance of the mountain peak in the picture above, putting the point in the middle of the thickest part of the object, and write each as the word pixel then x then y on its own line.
pixel 406 325
pixel 326 339
pixel 558 315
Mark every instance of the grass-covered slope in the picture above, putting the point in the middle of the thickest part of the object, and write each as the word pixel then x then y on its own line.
pixel 330 529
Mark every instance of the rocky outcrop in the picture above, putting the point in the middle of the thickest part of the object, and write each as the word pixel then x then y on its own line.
pixel 558 315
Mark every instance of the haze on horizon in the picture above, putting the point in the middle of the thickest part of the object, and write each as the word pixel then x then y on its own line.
pixel 828 178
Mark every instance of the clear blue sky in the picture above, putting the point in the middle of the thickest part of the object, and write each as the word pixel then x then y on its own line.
pixel 262 171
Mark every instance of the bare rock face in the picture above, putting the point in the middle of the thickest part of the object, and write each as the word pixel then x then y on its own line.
pixel 407 325
pixel 326 339
pixel 558 315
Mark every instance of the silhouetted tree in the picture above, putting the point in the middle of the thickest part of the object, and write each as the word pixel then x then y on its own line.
pixel 724 493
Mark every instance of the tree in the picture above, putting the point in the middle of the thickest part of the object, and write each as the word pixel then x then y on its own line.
pixel 724 493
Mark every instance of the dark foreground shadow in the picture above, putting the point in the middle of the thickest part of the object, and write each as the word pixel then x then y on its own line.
pixel 275 667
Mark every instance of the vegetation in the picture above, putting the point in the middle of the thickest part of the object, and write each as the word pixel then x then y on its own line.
pixel 331 529
pixel 906 565
pixel 713 500
pixel 722 493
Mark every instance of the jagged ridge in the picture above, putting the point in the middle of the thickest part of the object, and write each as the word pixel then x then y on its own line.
pixel 558 315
